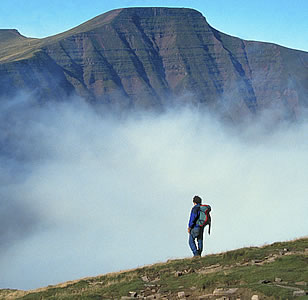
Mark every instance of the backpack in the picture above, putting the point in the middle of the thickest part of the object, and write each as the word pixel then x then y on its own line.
pixel 205 217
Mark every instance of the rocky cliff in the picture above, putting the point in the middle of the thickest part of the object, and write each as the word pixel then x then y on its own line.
pixel 143 57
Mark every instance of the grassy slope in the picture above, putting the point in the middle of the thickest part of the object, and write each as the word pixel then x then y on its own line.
pixel 242 268
pixel 24 48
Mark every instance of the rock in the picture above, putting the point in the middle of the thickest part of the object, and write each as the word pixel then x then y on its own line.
pixel 255 297
pixel 277 279
pixel 133 294
pixel 208 269
pixel 303 283
pixel 156 296
pixel 181 295
pixel 284 251
pixel 150 285
pixel 188 271
pixel 299 293
pixel 178 274
pixel 264 281
pixel 145 278
pixel 271 259
pixel 207 296
pixel 218 291
pixel 221 291
pixel 125 298
pixel 231 291
pixel 256 261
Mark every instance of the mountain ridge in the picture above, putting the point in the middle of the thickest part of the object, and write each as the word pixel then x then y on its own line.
pixel 144 58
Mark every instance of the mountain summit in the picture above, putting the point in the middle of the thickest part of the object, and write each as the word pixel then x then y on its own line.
pixel 147 57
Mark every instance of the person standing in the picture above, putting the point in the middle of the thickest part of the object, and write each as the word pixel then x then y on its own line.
pixel 196 227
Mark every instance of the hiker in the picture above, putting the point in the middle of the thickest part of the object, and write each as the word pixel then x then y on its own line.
pixel 199 218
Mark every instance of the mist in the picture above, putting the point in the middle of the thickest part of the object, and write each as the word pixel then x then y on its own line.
pixel 85 193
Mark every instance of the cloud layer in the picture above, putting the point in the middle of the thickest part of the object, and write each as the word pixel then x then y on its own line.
pixel 85 193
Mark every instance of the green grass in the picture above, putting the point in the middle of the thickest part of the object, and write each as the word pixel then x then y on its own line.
pixel 231 269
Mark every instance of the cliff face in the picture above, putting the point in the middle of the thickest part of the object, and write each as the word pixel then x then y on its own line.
pixel 142 57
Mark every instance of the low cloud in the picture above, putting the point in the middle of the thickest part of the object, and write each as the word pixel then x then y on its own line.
pixel 85 193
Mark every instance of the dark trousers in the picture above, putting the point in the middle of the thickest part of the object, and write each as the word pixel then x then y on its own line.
pixel 196 233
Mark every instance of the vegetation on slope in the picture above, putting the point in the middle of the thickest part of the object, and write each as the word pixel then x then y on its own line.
pixel 277 271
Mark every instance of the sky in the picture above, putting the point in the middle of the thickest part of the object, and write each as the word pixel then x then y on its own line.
pixel 84 194
pixel 283 22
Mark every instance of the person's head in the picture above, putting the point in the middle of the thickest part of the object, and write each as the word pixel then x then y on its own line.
pixel 197 200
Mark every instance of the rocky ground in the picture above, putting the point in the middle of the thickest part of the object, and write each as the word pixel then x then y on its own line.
pixel 152 289
pixel 277 271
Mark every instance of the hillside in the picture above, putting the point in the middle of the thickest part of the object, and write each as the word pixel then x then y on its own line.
pixel 277 271
pixel 150 58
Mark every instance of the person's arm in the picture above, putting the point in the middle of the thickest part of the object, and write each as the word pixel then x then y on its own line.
pixel 193 218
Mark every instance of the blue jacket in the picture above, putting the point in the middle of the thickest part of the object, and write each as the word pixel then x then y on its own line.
pixel 194 216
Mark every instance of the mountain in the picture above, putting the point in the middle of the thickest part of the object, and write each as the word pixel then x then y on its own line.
pixel 276 271
pixel 149 58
